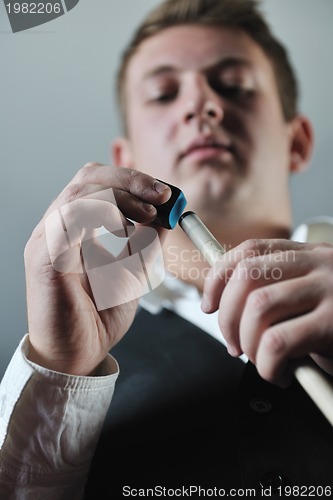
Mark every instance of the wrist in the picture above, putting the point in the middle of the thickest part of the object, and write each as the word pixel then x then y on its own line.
pixel 60 365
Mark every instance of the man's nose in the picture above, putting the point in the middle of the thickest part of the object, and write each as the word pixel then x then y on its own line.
pixel 203 109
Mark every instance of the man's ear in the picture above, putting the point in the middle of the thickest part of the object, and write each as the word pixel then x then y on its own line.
pixel 122 153
pixel 301 143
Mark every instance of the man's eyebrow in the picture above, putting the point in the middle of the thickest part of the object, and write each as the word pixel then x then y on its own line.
pixel 159 70
pixel 230 62
pixel 222 64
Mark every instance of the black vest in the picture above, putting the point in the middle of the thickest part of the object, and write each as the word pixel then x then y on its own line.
pixel 185 413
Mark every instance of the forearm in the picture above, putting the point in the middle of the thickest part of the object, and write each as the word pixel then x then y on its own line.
pixel 49 427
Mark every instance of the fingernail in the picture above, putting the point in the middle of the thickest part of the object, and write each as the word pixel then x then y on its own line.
pixel 205 304
pixel 160 187
pixel 232 350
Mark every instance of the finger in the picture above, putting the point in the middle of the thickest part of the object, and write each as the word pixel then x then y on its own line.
pixel 135 182
pixel 223 269
pixel 231 304
pixel 218 278
pixel 249 275
pixel 134 208
pixel 131 206
pixel 282 344
pixel 272 304
pixel 215 282
pixel 72 192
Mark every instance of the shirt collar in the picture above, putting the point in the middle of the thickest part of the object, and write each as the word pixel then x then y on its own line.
pixel 167 294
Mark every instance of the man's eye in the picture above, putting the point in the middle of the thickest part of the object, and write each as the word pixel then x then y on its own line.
pixel 232 91
pixel 163 95
pixel 165 98
pixel 236 91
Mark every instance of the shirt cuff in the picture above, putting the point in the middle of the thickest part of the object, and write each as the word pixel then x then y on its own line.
pixel 50 422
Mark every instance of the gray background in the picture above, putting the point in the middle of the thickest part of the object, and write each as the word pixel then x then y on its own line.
pixel 57 112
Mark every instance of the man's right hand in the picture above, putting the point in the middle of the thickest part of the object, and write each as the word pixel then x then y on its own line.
pixel 67 332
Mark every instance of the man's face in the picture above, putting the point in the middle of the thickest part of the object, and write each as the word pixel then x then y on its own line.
pixel 203 113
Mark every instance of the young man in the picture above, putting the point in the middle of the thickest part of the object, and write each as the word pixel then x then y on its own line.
pixel 209 105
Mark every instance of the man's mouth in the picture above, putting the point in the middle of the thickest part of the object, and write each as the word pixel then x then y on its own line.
pixel 204 148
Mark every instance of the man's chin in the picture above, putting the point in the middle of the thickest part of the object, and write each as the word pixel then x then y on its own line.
pixel 208 190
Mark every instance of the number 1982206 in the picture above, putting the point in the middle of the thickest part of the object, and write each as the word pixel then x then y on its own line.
pixel 304 491
pixel 34 8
